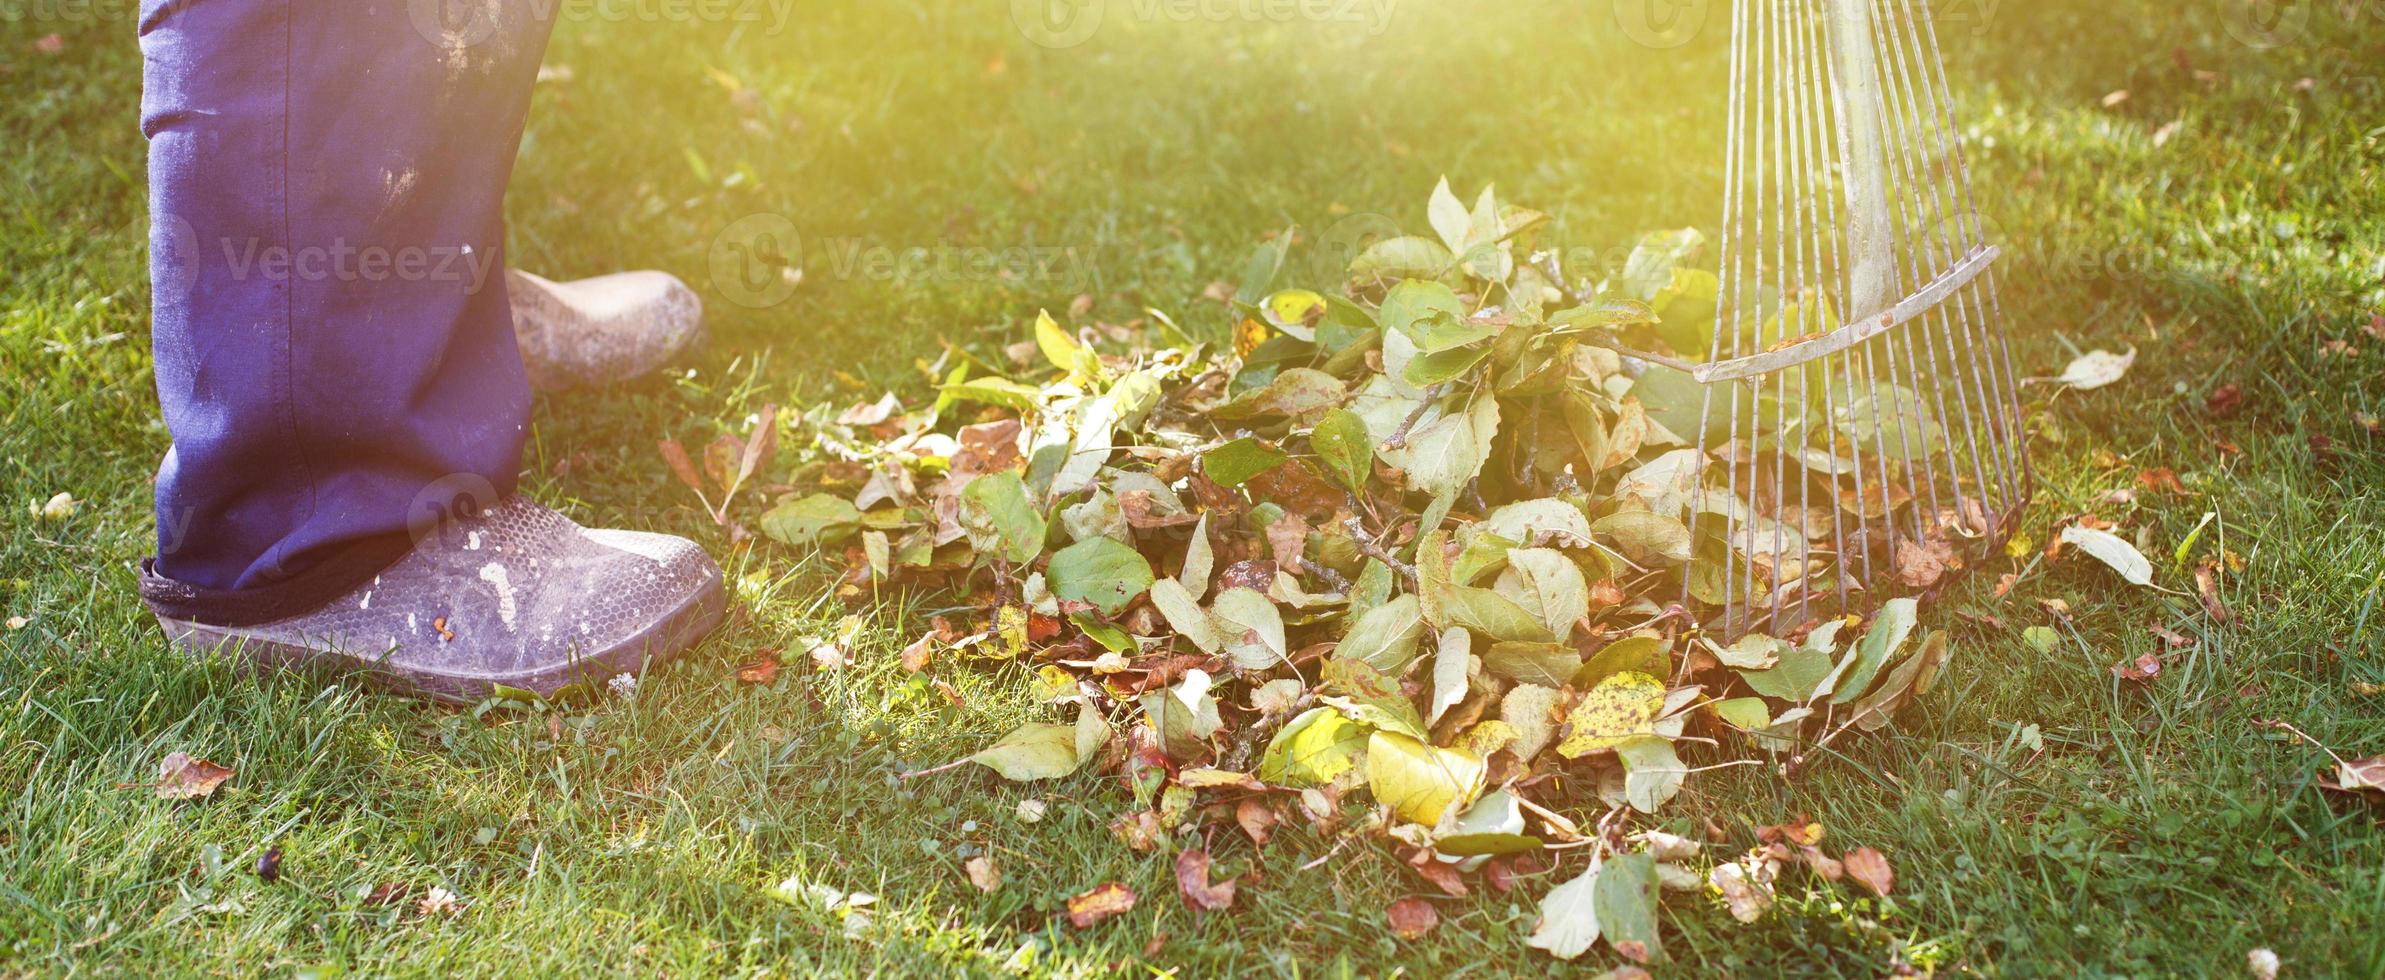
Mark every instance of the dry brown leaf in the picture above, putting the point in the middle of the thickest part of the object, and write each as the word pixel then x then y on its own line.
pixel 761 671
pixel 1192 879
pixel 982 873
pixel 1443 876
pixel 2160 480
pixel 1412 917
pixel 1256 819
pixel 1100 902
pixel 2225 400
pixel 2144 668
pixel 182 777
pixel 919 653
pixel 2364 777
pixel 1870 869
pixel 2207 590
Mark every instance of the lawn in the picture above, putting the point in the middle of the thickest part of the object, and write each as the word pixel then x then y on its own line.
pixel 2169 177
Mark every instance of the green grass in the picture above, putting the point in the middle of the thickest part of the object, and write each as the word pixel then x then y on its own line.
pixel 2160 831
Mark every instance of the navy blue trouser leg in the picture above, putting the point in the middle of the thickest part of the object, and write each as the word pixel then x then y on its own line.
pixel 334 352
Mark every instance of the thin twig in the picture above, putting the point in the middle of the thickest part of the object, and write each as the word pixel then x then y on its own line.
pixel 1372 548
pixel 1399 436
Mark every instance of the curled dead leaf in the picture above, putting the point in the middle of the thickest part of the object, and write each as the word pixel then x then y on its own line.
pixel 1192 879
pixel 1412 918
pixel 761 671
pixel 183 777
pixel 982 873
pixel 1870 869
pixel 1104 901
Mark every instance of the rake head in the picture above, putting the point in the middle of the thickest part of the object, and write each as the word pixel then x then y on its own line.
pixel 1861 419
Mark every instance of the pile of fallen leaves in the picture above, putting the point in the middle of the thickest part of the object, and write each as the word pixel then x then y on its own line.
pixel 1408 561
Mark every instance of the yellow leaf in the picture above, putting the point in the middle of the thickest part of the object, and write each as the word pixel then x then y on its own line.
pixel 1417 780
pixel 1248 335
pixel 1058 347
pixel 1619 707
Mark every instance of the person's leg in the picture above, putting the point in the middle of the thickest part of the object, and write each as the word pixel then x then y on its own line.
pixel 337 363
pixel 334 352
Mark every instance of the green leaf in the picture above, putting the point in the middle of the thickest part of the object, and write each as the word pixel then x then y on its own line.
pixel 1315 748
pixel 1430 369
pixel 1894 422
pixel 819 519
pixel 1449 217
pixel 1451 662
pixel 1234 463
pixel 1369 697
pixel 1568 924
pixel 1110 637
pixel 1602 314
pixel 1483 554
pixel 1184 715
pixel 1446 453
pixel 1251 628
pixel 1001 519
pixel 1649 267
pixel 1546 664
pixel 1492 615
pixel 1642 653
pixel 1799 672
pixel 1417 300
pixel 1686 307
pixel 1185 615
pixel 1559 521
pixel 1100 571
pixel 1265 261
pixel 1342 444
pixel 1627 906
pixel 999 392
pixel 1880 642
pixel 1042 751
pixel 1546 584
pixel 1644 536
pixel 1745 714
pixel 1298 393
pixel 2113 550
pixel 2042 639
pixel 1418 780
pixel 1385 637
pixel 1404 257
pixel 1651 772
